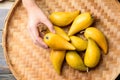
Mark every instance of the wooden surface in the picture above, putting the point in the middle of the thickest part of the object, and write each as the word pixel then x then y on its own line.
pixel 5 73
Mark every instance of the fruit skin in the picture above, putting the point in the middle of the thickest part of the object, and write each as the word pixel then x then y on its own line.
pixel 56 42
pixel 81 22
pixel 57 58
pixel 62 33
pixel 92 54
pixel 75 61
pixel 98 37
pixel 63 18
pixel 79 43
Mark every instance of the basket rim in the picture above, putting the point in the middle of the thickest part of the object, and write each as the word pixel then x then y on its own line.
pixel 4 38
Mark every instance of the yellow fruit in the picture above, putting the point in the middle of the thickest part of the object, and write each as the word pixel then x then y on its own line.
pixel 81 22
pixel 57 58
pixel 75 61
pixel 63 18
pixel 79 43
pixel 92 54
pixel 97 36
pixel 62 33
pixel 56 42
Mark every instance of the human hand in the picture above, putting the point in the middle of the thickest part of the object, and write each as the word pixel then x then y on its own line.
pixel 35 17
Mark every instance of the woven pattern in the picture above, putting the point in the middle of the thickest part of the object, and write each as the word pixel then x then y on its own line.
pixel 30 62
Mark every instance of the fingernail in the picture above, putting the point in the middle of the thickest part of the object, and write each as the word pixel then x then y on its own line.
pixel 46 47
pixel 53 31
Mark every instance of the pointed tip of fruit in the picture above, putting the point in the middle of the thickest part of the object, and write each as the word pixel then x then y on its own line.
pixel 72 48
pixel 84 68
pixel 77 11
pixel 69 34
pixel 58 72
pixel 105 51
pixel 68 39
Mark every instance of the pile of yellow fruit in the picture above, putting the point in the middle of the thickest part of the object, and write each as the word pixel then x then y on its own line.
pixel 66 45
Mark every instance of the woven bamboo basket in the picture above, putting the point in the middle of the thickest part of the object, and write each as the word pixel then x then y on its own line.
pixel 30 62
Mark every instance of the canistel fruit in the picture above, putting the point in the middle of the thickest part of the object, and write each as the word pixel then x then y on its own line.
pixel 79 43
pixel 57 58
pixel 97 36
pixel 75 61
pixel 56 42
pixel 81 22
pixel 92 54
pixel 63 19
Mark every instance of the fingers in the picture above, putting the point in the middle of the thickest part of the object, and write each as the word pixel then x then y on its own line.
pixel 49 25
pixel 35 36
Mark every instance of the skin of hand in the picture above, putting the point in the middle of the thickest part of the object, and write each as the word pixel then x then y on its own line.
pixel 1 0
pixel 35 17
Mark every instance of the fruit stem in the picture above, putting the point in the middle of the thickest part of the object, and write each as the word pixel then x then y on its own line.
pixel 47 37
pixel 87 69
